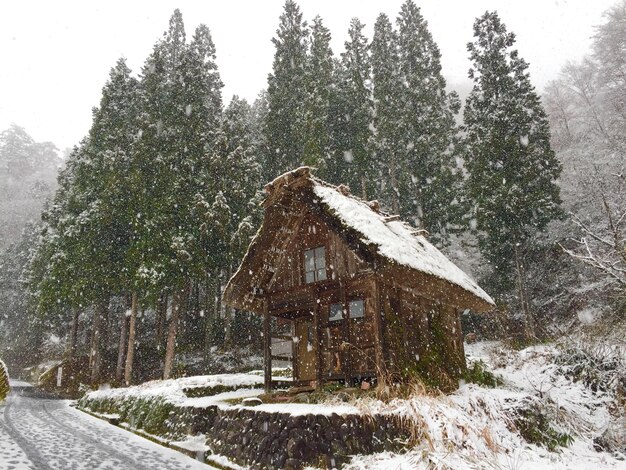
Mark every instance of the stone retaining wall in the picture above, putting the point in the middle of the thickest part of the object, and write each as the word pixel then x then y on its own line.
pixel 264 440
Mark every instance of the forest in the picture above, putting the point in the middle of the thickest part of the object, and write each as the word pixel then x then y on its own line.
pixel 153 210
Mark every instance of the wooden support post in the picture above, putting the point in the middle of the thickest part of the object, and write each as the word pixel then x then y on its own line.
pixel 295 364
pixel 317 327
pixel 378 300
pixel 346 362
pixel 267 347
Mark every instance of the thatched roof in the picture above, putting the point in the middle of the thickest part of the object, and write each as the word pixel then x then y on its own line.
pixel 375 237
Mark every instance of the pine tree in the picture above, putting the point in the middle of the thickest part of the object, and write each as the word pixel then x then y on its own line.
pixel 512 168
pixel 427 174
pixel 286 93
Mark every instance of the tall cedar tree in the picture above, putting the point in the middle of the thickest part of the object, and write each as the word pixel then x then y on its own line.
pixel 286 94
pixel 426 181
pixel 87 234
pixel 357 100
pixel 319 82
pixel 512 168
pixel 387 93
pixel 228 221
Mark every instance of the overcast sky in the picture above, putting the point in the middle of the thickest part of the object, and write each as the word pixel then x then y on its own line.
pixel 55 55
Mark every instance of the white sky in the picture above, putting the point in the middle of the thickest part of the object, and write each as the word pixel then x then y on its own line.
pixel 55 55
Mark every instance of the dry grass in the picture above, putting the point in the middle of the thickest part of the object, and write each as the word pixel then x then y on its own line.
pixel 4 381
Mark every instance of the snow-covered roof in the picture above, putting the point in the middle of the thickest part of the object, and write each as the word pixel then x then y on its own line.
pixel 374 233
pixel 394 239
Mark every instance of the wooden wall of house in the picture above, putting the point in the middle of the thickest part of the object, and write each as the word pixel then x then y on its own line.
pixel 312 232
pixel 422 337
pixel 349 345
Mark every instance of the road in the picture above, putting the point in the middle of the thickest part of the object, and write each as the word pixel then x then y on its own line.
pixel 38 433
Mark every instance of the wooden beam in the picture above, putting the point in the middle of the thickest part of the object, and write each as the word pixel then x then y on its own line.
pixel 267 347
pixel 282 358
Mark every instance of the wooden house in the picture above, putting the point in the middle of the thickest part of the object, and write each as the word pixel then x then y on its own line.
pixel 367 295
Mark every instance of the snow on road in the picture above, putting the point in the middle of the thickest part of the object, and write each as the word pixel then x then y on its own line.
pixel 43 434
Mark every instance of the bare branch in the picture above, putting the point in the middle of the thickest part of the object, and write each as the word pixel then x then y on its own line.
pixel 589 232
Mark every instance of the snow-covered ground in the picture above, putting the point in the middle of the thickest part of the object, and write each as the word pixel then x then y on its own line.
pixel 473 429
pixel 19 384
pixel 243 385
pixel 37 434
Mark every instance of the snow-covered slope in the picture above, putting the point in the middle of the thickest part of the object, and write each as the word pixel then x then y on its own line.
pixel 475 427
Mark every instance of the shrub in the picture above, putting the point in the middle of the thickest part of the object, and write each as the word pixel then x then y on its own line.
pixel 534 426
pixel 477 373
pixel 598 366
pixel 4 381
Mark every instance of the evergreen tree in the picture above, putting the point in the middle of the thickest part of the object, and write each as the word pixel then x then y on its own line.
pixel 230 216
pixel 286 93
pixel 319 82
pixel 355 88
pixel 182 113
pixel 258 118
pixel 426 180
pixel 512 168
pixel 89 228
pixel 387 93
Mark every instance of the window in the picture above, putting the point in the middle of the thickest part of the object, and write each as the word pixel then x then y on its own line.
pixel 336 312
pixel 356 309
pixel 315 265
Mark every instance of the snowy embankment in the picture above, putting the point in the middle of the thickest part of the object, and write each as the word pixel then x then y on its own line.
pixel 197 391
pixel 487 428
pixel 545 414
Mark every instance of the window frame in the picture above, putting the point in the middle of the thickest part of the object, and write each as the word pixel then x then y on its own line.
pixel 319 265
pixel 345 315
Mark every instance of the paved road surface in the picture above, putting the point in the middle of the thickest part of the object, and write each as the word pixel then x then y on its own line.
pixel 38 433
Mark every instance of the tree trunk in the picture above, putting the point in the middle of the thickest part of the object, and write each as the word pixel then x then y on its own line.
pixel 121 351
pixel 96 341
pixel 228 316
pixel 178 300
pixel 419 211
pixel 71 351
pixel 161 320
pixel 363 188
pixel 208 314
pixel 130 355
pixel 105 328
pixel 393 181
pixel 529 323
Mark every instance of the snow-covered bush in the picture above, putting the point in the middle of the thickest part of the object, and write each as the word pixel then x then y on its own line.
pixel 478 373
pixel 533 424
pixel 4 381
pixel 599 367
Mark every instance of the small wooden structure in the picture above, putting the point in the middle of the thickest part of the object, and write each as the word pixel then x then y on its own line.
pixel 366 294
